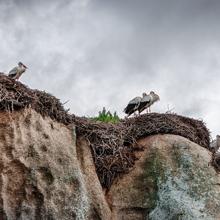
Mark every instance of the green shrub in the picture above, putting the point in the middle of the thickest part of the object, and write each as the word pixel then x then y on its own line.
pixel 107 116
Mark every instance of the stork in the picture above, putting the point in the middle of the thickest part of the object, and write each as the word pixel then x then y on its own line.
pixel 133 105
pixel 215 145
pixel 218 141
pixel 147 101
pixel 17 71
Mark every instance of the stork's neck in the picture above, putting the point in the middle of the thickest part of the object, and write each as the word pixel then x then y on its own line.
pixel 21 67
pixel 151 96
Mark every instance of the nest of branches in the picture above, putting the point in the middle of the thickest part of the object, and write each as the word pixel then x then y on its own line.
pixel 113 145
pixel 155 123
pixel 15 96
pixel 112 156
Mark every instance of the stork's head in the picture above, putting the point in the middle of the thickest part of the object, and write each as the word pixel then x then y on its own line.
pixel 155 96
pixel 22 65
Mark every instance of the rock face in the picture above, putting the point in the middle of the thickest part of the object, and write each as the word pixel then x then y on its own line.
pixel 171 180
pixel 47 174
pixel 41 175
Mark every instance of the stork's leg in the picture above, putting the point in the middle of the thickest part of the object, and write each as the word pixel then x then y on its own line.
pixel 149 110
pixel 17 76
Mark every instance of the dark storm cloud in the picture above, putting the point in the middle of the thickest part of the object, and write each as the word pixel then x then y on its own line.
pixel 99 53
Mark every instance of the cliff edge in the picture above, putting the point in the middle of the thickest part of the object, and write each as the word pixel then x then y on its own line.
pixel 55 165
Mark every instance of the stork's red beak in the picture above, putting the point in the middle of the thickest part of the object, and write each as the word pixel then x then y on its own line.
pixel 24 66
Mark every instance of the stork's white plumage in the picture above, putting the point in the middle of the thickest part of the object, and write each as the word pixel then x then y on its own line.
pixel 147 101
pixel 133 105
pixel 17 71
pixel 215 145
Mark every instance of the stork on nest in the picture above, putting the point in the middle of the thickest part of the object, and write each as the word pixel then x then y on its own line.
pixel 215 145
pixel 141 103
pixel 17 71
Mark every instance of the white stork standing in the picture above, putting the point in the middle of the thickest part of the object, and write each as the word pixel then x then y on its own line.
pixel 133 105
pixel 215 145
pixel 17 71
pixel 147 101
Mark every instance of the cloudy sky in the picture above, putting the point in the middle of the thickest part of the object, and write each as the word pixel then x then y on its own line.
pixel 98 53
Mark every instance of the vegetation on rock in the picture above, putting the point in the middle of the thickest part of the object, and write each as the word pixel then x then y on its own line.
pixel 107 116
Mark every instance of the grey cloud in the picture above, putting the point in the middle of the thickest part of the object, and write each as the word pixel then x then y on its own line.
pixel 99 53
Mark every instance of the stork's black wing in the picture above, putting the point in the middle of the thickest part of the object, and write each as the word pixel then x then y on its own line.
pixel 130 108
pixel 13 72
pixel 144 103
pixel 12 75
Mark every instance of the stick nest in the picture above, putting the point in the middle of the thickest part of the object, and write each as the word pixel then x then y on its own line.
pixel 15 96
pixel 113 145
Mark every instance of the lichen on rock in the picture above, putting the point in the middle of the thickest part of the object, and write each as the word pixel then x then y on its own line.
pixel 183 193
pixel 171 180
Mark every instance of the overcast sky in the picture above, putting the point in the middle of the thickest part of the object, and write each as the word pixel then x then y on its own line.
pixel 98 53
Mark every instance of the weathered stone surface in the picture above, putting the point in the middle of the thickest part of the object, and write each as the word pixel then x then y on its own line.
pixel 94 187
pixel 171 180
pixel 45 173
pixel 40 171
